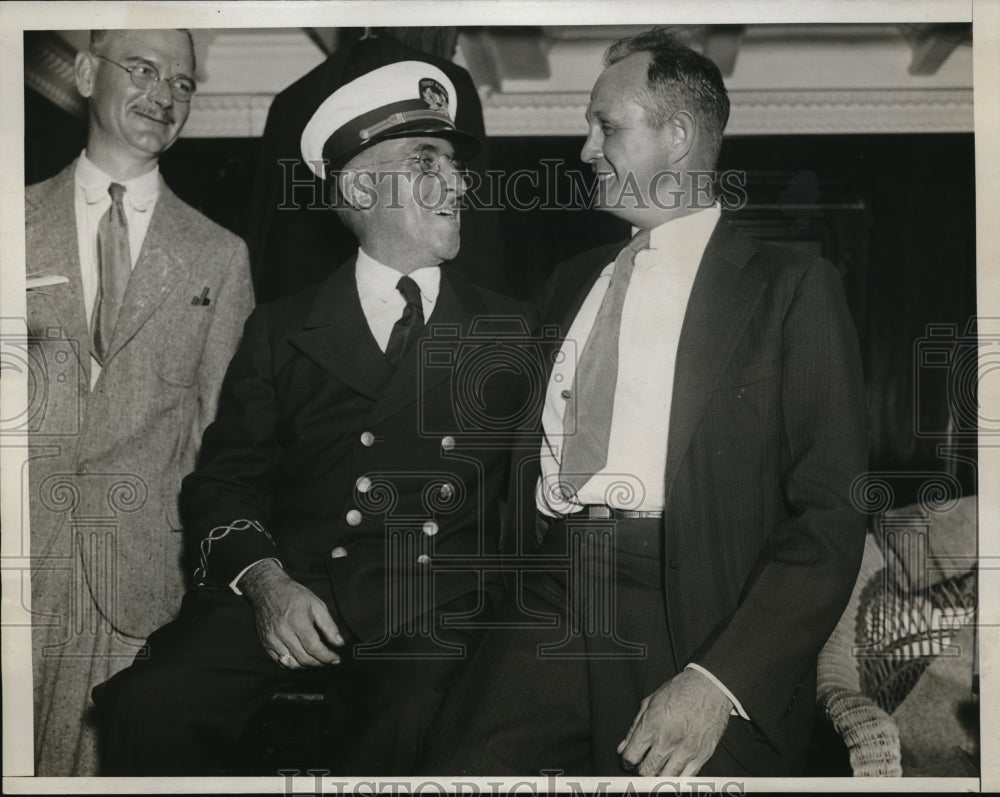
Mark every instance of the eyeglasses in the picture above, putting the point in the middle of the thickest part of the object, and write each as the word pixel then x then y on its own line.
pixel 428 159
pixel 146 77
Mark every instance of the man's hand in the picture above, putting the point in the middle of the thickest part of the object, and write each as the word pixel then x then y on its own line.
pixel 677 728
pixel 291 620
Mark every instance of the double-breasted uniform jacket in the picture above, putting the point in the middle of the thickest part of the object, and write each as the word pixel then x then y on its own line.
pixel 768 431
pixel 326 457
pixel 106 464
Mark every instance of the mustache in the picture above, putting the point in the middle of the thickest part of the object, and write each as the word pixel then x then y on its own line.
pixel 164 115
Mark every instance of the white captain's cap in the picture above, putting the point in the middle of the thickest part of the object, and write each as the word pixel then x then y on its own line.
pixel 400 100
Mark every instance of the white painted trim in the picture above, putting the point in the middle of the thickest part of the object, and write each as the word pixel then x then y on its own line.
pixel 851 111
pixel 51 72
pixel 222 114
pixel 227 116
pixel 562 113
pixel 759 112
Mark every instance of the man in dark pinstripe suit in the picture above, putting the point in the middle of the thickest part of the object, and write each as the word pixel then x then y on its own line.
pixel 719 542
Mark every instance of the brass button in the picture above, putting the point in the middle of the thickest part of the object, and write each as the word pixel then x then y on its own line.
pixel 363 484
pixel 367 439
pixel 430 528
pixel 423 559
pixel 338 553
pixel 566 394
pixel 353 518
pixel 447 491
pixel 448 443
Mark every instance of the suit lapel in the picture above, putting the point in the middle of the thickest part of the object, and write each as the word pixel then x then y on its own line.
pixel 53 248
pixel 454 308
pixel 336 336
pixel 723 298
pixel 163 262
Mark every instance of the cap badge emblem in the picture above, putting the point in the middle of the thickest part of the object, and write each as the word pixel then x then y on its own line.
pixel 434 94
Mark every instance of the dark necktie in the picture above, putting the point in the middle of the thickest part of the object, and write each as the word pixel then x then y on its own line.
pixel 409 325
pixel 587 422
pixel 114 265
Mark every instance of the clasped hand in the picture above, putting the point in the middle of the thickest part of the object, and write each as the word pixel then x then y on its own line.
pixel 293 625
pixel 677 728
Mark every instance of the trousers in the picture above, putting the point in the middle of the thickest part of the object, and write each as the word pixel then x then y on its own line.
pixel 182 706
pixel 558 680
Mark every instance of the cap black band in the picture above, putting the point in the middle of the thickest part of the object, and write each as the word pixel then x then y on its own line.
pixel 384 122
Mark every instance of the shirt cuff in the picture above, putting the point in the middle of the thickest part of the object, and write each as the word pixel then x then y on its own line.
pixel 235 581
pixel 737 706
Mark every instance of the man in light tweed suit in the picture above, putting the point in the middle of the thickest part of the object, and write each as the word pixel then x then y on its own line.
pixel 135 305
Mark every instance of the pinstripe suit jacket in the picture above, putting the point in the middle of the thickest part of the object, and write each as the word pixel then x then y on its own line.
pixel 768 430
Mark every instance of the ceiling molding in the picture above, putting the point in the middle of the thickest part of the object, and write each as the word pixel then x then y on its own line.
pixel 933 44
pixel 759 112
pixel 851 111
pixel 49 66
pixel 228 116
pixel 786 79
pixel 324 38
pixel 753 113
pixel 722 45
pixel 535 114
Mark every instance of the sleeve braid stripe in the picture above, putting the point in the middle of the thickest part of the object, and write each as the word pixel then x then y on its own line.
pixel 220 532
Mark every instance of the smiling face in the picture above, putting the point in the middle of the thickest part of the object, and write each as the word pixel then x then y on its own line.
pixel 413 217
pixel 632 160
pixel 130 127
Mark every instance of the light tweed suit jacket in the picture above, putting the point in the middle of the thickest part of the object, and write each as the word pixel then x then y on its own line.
pixel 106 464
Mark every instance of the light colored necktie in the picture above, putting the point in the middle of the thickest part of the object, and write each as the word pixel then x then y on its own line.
pixel 408 327
pixel 587 421
pixel 114 262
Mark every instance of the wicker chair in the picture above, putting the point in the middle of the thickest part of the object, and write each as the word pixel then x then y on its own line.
pixel 897 625
pixel 868 731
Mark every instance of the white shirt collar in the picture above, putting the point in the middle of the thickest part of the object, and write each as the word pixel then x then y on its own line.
pixel 140 192
pixel 381 280
pixel 694 228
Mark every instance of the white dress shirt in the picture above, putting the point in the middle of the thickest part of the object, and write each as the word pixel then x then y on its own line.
pixel 652 316
pixel 92 201
pixel 382 303
pixel 383 306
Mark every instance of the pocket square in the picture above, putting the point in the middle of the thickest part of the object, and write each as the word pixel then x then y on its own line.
pixel 44 281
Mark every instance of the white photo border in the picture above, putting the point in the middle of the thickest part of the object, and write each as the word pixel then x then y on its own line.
pixel 16 17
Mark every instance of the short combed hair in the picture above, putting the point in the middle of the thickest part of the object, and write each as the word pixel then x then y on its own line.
pixel 99 39
pixel 678 78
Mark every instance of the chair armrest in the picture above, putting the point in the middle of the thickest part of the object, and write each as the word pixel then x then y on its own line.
pixel 870 734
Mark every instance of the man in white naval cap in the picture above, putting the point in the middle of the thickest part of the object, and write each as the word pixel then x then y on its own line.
pixel 348 491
